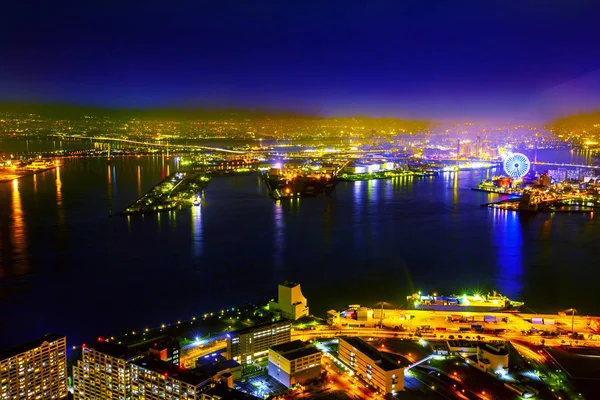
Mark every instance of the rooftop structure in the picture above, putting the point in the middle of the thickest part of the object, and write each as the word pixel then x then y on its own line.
pixel 291 304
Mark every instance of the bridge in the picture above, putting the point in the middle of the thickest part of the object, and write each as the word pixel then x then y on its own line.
pixel 565 165
pixel 186 146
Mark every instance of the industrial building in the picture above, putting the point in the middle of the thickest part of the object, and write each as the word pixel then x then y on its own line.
pixel 248 344
pixel 371 365
pixel 294 362
pixel 290 304
pixel 35 370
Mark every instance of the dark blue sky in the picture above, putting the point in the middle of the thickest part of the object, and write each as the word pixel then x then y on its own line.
pixel 418 58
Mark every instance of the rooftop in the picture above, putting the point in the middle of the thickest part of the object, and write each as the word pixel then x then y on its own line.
pixel 289 284
pixel 294 350
pixel 22 348
pixel 162 367
pixel 213 368
pixel 159 344
pixel 112 349
pixel 223 392
pixel 262 326
pixel 371 352
pixel 462 343
pixel 498 351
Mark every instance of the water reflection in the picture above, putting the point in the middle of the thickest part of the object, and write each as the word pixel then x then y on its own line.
pixel 59 199
pixel 357 215
pixel 508 239
pixel 389 191
pixel 139 181
pixel 197 232
pixel 372 190
pixel 279 241
pixel 455 188
pixel 18 234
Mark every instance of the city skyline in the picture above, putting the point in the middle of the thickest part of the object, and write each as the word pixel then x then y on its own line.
pixel 423 61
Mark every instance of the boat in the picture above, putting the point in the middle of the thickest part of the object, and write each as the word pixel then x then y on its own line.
pixel 475 302
pixel 197 201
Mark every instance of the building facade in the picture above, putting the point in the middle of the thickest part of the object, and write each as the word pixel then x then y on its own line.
pixel 294 362
pixel 153 379
pixel 367 362
pixel 108 371
pixel 35 370
pixel 103 372
pixel 246 345
pixel 291 304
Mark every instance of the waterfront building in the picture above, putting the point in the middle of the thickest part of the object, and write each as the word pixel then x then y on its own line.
pixel 103 372
pixel 248 344
pixel 35 370
pixel 154 379
pixel 291 304
pixel 294 362
pixel 166 349
pixel 374 367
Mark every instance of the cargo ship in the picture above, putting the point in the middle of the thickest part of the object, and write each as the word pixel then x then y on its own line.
pixel 476 302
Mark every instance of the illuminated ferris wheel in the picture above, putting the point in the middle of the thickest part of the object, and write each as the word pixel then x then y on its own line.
pixel 517 165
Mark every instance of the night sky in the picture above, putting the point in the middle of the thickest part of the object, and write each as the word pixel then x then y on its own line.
pixel 418 58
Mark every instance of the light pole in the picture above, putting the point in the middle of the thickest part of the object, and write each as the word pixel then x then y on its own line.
pixel 572 322
pixel 572 311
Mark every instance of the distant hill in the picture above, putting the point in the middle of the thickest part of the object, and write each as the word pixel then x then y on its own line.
pixel 579 121
pixel 60 111
pixel 71 111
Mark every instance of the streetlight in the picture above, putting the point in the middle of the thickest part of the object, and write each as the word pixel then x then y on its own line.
pixel 572 311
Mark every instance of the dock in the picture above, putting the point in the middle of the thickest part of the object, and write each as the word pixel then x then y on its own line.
pixel 177 191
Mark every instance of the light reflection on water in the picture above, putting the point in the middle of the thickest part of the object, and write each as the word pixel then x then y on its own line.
pixel 18 233
pixel 197 234
pixel 509 242
pixel 279 235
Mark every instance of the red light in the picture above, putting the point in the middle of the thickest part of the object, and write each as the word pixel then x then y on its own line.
pixel 84 345
pixel 166 374
pixel 100 339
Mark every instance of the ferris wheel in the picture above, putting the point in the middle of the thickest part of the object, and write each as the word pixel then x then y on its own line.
pixel 516 165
